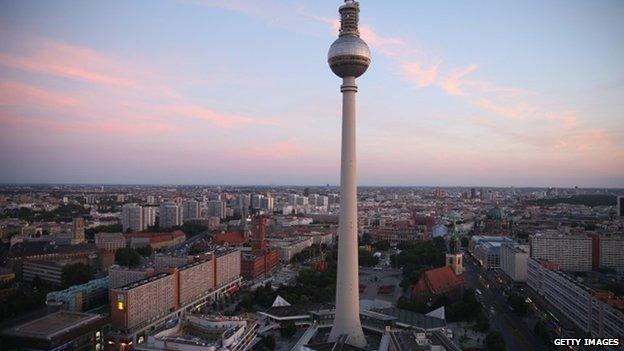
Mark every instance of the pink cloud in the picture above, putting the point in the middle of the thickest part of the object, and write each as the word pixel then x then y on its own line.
pixel 117 88
pixel 421 76
pixel 205 114
pixel 20 94
pixel 453 83
pixel 64 70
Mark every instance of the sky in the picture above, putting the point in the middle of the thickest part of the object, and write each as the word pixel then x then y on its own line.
pixel 487 93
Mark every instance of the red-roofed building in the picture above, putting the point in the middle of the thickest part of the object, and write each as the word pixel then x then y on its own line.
pixel 229 238
pixel 262 259
pixel 438 282
pixel 155 240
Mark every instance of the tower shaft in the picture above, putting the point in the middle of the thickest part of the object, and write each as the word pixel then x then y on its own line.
pixel 347 320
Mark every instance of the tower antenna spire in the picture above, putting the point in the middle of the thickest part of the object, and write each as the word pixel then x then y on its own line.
pixel 348 58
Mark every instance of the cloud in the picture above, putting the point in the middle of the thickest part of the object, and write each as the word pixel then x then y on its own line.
pixel 107 89
pixel 19 94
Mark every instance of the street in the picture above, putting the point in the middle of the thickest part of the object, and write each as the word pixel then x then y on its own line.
pixel 517 334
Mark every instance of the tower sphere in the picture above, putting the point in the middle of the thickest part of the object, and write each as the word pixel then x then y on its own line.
pixel 348 56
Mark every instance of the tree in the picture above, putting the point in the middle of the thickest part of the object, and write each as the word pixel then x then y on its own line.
pixel 192 229
pixel 76 274
pixel 616 288
pixel 494 342
pixel 127 256
pixel 367 259
pixel 383 245
pixel 145 251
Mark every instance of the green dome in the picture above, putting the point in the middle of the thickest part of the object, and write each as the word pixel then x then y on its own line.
pixel 496 213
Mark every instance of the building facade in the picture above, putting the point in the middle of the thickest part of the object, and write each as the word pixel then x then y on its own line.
pixel 594 312
pixel 513 261
pixel 570 252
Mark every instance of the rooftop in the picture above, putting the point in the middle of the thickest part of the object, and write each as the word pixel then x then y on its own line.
pixel 53 325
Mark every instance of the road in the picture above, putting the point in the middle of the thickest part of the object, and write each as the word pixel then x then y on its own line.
pixel 516 333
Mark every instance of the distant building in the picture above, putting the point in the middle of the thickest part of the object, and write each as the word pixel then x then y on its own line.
pixel 620 206
pixel 267 203
pixel 82 297
pixel 78 230
pixel 190 210
pixel 438 230
pixel 570 252
pixel 61 330
pixel 290 247
pixel 170 215
pixel 261 260
pixel 611 252
pixel 132 218
pixel 155 240
pixel 50 272
pixel 149 216
pixel 496 222
pixel 487 249
pixel 399 233
pixel 216 208
pixel 110 241
pixel 513 261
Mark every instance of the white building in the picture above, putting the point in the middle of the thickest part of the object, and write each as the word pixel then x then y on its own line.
pixel 612 252
pixel 290 247
pixel 149 216
pixel 216 208
pixel 513 261
pixel 132 218
pixel 268 203
pixel 570 252
pixel 256 201
pixel 190 210
pixel 591 311
pixel 170 215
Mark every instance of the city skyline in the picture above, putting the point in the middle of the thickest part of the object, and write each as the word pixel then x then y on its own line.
pixel 217 92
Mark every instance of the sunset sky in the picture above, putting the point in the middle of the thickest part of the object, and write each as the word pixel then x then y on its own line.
pixel 499 93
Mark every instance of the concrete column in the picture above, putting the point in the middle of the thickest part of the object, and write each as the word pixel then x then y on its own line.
pixel 347 319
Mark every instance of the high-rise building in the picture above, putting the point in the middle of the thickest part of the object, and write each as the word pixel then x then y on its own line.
pixel 292 199
pixel 620 206
pixel 302 201
pixel 78 230
pixel 151 200
pixel 216 208
pixel 149 216
pixel 170 215
pixel 570 252
pixel 268 203
pixel 256 201
pixel 190 210
pixel 132 218
pixel 610 252
pixel 348 58
pixel 513 261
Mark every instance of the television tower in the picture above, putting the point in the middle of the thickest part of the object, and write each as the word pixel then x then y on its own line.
pixel 348 58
